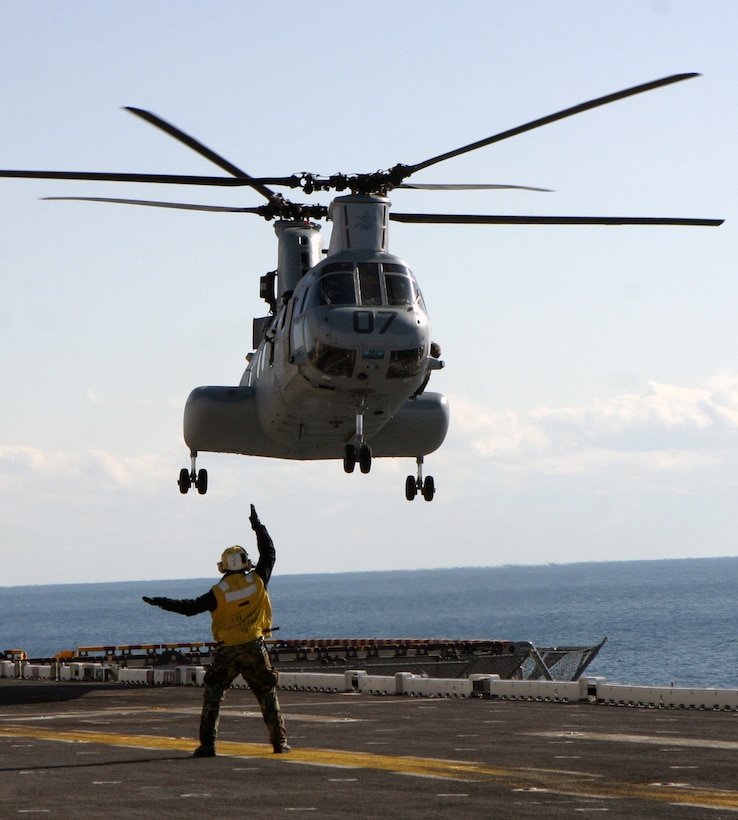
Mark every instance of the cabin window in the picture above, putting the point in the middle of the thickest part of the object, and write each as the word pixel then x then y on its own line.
pixel 337 289
pixel 369 285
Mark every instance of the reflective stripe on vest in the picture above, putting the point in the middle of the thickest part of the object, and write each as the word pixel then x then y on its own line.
pixel 236 594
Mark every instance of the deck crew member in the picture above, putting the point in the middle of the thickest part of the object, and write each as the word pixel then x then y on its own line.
pixel 242 614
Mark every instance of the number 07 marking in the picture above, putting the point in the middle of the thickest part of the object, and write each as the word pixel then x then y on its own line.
pixel 364 321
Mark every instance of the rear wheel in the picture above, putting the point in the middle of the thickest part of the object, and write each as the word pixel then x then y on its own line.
pixel 201 482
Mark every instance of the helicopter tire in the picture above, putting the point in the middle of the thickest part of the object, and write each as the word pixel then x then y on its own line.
pixel 201 482
pixel 365 458
pixel 429 488
pixel 349 458
pixel 184 481
pixel 411 488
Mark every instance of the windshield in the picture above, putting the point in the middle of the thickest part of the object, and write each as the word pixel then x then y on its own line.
pixel 368 284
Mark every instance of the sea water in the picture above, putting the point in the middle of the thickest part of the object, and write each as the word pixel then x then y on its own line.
pixel 667 622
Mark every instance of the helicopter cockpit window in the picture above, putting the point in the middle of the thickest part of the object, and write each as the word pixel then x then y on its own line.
pixel 400 289
pixel 369 284
pixel 400 285
pixel 337 289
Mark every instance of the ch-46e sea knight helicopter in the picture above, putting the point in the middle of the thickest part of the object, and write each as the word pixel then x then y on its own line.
pixel 342 359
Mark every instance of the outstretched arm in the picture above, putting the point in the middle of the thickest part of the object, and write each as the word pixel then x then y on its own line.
pixel 185 606
pixel 265 545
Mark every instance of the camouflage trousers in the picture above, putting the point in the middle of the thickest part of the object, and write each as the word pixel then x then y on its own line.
pixel 250 660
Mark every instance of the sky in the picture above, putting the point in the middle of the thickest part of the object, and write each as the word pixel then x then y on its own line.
pixel 592 372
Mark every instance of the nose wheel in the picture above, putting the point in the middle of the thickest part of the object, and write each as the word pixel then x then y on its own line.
pixel 416 484
pixel 358 450
pixel 193 478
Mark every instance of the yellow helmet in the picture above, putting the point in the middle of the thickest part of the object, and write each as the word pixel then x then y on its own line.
pixel 233 559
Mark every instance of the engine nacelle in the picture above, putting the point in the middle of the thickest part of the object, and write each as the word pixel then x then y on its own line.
pixel 300 248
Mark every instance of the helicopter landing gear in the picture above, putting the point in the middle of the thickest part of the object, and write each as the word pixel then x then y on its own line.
pixel 358 451
pixel 415 485
pixel 193 478
pixel 352 454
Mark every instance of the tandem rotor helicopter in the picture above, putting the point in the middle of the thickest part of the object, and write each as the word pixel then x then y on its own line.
pixel 342 360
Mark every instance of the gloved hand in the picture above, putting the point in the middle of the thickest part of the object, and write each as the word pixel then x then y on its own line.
pixel 254 518
pixel 154 601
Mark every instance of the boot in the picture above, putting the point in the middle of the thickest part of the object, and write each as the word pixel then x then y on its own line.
pixel 208 730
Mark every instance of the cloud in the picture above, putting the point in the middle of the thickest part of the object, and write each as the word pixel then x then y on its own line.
pixel 672 416
pixel 96 468
pixel 664 427
pixel 504 435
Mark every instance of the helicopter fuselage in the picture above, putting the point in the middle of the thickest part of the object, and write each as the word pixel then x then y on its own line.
pixel 343 359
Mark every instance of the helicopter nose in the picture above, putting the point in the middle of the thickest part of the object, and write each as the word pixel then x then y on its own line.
pixel 371 345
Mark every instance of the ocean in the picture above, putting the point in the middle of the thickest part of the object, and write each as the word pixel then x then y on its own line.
pixel 667 622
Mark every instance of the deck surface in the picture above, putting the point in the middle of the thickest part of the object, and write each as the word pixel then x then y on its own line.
pixel 108 750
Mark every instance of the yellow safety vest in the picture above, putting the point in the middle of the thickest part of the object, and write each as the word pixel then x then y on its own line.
pixel 244 611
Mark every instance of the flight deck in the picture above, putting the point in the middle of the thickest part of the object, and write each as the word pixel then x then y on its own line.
pixel 116 750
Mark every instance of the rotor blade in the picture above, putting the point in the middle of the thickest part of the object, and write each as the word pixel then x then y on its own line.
pixel 176 179
pixel 201 149
pixel 276 208
pixel 421 186
pixel 154 204
pixel 482 219
pixel 560 115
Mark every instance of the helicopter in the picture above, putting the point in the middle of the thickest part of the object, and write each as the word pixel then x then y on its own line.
pixel 342 359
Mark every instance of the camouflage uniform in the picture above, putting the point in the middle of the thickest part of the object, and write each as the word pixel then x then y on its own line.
pixel 251 660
